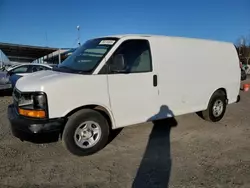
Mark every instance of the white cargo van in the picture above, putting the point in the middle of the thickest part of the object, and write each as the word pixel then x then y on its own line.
pixel 116 81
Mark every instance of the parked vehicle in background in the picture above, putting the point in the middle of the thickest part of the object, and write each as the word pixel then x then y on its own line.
pixel 9 77
pixel 8 67
pixel 2 69
pixel 243 69
pixel 116 81
pixel 12 66
pixel 243 74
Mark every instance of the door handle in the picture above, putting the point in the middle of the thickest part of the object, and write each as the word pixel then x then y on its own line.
pixel 155 82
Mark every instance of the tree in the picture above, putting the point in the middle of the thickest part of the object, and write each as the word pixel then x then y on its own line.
pixel 243 48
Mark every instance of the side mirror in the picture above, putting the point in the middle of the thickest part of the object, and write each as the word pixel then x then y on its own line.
pixel 118 63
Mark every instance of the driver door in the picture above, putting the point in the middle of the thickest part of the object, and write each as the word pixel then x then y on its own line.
pixel 133 91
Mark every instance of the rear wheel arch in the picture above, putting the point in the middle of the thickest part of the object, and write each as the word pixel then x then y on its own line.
pixel 220 95
pixel 220 91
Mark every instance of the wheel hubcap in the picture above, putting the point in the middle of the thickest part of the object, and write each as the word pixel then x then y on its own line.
pixel 87 134
pixel 218 108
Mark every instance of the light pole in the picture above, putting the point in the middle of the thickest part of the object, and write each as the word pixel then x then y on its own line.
pixel 1 59
pixel 78 35
pixel 59 56
pixel 240 47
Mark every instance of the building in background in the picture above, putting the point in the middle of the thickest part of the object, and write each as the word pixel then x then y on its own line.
pixel 3 59
pixel 58 56
pixel 17 53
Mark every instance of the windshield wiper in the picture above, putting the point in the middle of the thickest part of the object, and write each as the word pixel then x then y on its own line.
pixel 65 67
pixel 84 71
pixel 74 70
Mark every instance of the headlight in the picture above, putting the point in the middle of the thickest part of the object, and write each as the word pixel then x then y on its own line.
pixel 32 105
pixel 39 101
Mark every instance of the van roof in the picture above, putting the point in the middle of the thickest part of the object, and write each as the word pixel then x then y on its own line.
pixel 161 36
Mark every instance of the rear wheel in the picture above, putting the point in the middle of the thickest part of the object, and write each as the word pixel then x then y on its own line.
pixel 85 133
pixel 216 107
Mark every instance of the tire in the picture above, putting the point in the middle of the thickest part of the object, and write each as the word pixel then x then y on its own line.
pixel 243 75
pixel 73 129
pixel 209 113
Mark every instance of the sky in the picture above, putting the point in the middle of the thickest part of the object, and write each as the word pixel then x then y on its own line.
pixel 53 22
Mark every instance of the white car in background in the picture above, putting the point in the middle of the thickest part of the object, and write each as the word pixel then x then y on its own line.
pixel 9 77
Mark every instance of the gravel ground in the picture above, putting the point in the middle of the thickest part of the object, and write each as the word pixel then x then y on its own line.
pixel 189 153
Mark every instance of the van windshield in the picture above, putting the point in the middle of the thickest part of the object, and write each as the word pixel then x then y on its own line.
pixel 88 56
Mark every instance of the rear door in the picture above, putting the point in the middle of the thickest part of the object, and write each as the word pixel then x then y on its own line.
pixel 134 92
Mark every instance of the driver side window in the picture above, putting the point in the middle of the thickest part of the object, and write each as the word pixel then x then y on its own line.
pixel 136 55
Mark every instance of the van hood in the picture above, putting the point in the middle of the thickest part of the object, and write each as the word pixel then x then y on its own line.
pixel 38 81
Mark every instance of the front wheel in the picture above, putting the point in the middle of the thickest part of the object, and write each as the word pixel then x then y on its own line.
pixel 85 133
pixel 216 107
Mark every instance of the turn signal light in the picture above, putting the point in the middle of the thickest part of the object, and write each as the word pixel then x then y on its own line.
pixel 32 113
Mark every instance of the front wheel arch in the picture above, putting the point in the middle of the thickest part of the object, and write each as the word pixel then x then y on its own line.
pixel 104 111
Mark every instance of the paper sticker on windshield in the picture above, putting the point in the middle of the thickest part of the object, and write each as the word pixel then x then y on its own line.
pixel 107 42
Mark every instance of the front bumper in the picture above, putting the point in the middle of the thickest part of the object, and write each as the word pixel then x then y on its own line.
pixel 5 86
pixel 22 125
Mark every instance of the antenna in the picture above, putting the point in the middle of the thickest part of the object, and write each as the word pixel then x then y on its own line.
pixel 78 33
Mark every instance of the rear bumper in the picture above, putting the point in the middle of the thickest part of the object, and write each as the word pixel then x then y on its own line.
pixel 21 125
